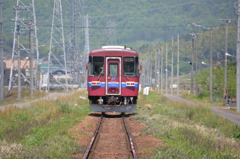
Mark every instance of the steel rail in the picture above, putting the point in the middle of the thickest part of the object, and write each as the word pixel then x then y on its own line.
pixel 130 138
pixel 93 139
pixel 86 155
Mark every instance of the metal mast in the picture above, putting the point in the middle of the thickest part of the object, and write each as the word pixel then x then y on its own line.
pixel 76 19
pixel 17 45
pixel 112 32
pixel 57 54
pixel 71 47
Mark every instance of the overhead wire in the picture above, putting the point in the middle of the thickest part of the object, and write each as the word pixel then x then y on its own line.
pixel 119 3
pixel 154 27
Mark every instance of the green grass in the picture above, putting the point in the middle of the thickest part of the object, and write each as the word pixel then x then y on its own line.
pixel 42 130
pixel 203 99
pixel 25 96
pixel 187 131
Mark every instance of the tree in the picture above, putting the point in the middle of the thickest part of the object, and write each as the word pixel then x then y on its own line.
pixel 218 80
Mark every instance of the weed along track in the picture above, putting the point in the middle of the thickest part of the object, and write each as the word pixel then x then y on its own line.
pixel 111 139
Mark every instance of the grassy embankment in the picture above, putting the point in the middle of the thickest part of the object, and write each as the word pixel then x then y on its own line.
pixel 187 131
pixel 41 130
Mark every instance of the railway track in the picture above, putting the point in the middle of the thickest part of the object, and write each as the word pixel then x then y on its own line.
pixel 111 139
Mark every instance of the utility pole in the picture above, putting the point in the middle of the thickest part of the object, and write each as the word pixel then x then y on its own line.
pixel 172 67
pixel 196 66
pixel 238 59
pixel 162 70
pixel 210 67
pixel 193 52
pixel 86 48
pixel 166 70
pixel 156 69
pixel 31 59
pixel 227 22
pixel 150 69
pixel 1 56
pixel 178 65
pixel 19 61
pixel 192 59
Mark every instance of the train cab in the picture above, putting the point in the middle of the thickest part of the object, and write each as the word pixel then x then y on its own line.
pixel 113 79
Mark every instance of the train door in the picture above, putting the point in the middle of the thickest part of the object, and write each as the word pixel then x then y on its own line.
pixel 113 76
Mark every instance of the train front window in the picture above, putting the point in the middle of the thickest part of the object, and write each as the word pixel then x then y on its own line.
pixel 130 66
pixel 113 69
pixel 96 65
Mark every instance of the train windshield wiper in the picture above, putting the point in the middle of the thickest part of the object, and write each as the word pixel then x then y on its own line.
pixel 99 75
pixel 125 74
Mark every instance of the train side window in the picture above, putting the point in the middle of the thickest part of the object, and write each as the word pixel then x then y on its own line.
pixel 131 66
pixel 96 65
pixel 113 69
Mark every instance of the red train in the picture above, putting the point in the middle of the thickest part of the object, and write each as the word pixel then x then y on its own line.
pixel 113 79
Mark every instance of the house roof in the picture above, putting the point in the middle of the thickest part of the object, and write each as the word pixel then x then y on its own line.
pixel 24 63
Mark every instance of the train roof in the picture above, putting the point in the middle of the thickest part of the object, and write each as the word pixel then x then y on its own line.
pixel 113 51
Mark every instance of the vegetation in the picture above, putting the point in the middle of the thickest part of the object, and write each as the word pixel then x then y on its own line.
pixel 139 23
pixel 218 80
pixel 187 131
pixel 41 130
pixel 12 96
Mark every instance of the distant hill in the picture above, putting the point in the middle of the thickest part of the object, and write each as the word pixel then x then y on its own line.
pixel 135 20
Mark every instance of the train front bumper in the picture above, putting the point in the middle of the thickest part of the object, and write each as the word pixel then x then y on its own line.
pixel 112 108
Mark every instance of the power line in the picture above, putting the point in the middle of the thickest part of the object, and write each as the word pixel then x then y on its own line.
pixel 155 27
pixel 116 3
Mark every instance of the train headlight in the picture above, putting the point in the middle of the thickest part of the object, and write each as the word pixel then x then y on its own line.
pixel 96 83
pixel 100 101
pixel 130 84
